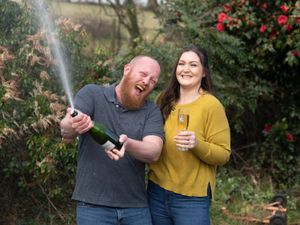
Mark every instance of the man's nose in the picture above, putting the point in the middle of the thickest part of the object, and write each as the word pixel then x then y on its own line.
pixel 146 80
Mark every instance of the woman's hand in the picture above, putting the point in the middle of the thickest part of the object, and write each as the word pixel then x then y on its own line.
pixel 185 140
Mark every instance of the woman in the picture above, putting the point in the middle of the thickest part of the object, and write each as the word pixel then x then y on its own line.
pixel 182 181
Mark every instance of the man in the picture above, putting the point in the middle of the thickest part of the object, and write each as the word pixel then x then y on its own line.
pixel 110 186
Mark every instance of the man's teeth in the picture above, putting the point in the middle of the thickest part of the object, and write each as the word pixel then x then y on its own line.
pixel 140 88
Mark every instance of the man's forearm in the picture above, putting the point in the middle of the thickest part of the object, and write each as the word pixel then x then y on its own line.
pixel 148 150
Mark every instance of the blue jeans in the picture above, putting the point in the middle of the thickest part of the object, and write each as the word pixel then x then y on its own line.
pixel 88 214
pixel 169 208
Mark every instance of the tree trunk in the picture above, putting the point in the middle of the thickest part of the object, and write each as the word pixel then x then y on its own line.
pixel 153 6
pixel 127 16
pixel 133 27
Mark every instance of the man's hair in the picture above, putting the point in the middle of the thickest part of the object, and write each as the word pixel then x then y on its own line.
pixel 136 58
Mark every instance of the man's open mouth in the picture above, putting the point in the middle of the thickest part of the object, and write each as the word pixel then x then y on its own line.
pixel 140 88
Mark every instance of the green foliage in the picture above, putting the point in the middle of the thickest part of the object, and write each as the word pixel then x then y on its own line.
pixel 72 39
pixel 102 67
pixel 270 31
pixel 33 161
pixel 35 166
pixel 15 22
pixel 277 155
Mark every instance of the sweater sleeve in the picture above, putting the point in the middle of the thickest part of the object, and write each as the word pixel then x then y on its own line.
pixel 214 147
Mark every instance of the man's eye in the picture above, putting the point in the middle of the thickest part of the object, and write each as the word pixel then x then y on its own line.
pixel 153 82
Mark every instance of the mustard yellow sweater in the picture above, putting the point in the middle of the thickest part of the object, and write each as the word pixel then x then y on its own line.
pixel 190 172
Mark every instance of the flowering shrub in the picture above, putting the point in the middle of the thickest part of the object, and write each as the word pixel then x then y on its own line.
pixel 278 153
pixel 270 31
pixel 33 160
pixel 271 25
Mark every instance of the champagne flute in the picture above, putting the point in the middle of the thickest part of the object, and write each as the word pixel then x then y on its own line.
pixel 183 119
pixel 183 122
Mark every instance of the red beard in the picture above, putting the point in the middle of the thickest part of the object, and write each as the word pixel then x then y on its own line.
pixel 130 100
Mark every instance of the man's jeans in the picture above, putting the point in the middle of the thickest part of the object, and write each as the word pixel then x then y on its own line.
pixel 169 208
pixel 101 215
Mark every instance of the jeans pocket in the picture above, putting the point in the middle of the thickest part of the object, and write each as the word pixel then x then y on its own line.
pixel 84 204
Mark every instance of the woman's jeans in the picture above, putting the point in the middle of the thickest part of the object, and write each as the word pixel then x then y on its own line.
pixel 88 214
pixel 169 208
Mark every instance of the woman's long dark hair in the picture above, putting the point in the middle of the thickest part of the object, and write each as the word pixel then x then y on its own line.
pixel 168 98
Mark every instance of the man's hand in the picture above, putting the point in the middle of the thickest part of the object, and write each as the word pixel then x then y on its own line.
pixel 80 123
pixel 70 126
pixel 116 154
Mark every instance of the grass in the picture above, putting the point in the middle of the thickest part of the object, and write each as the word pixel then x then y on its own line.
pixel 243 196
pixel 238 193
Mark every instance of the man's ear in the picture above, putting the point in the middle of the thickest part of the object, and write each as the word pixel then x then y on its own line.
pixel 126 69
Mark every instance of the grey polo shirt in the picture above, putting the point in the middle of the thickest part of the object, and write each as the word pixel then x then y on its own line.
pixel 100 180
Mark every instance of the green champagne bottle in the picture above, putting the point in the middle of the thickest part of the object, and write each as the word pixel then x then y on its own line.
pixel 103 135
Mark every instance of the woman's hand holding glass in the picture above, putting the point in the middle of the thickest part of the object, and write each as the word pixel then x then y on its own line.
pixel 185 140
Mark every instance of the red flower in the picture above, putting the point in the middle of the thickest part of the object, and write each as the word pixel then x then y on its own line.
pixel 282 19
pixel 273 34
pixel 251 23
pixel 227 8
pixel 297 20
pixel 222 17
pixel 220 27
pixel 264 6
pixel 284 8
pixel 295 53
pixel 289 136
pixel 262 28
pixel 288 27
pixel 267 128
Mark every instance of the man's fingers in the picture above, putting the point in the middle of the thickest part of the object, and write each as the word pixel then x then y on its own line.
pixel 109 154
pixel 82 123
pixel 120 153
pixel 114 154
pixel 117 153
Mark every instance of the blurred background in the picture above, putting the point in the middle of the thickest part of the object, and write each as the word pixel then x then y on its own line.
pixel 254 53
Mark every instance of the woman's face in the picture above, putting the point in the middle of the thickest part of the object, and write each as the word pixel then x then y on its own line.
pixel 189 71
